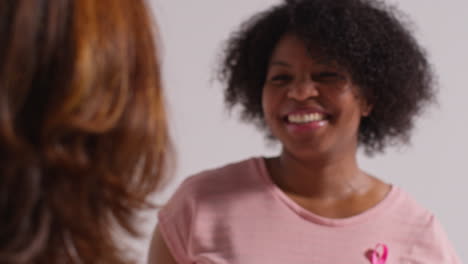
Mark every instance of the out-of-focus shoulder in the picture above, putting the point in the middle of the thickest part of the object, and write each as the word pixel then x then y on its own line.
pixel 222 175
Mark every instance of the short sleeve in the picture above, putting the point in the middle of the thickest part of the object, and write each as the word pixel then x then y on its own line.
pixel 175 222
pixel 433 246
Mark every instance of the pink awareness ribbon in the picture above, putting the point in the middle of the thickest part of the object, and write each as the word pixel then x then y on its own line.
pixel 379 258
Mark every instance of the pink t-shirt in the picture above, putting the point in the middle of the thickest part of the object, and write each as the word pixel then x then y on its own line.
pixel 236 215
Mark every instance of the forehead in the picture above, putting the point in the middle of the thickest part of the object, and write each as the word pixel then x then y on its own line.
pixel 291 48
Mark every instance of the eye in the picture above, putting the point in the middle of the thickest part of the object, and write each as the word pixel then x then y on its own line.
pixel 280 79
pixel 327 76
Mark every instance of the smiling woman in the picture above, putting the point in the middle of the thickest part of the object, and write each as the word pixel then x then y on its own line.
pixel 311 107
pixel 322 78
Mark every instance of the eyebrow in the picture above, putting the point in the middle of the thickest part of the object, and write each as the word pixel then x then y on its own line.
pixel 279 63
pixel 322 61
pixel 319 60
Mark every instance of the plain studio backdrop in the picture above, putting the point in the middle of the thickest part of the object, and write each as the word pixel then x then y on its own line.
pixel 433 169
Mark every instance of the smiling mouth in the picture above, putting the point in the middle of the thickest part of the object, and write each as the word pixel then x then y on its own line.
pixel 305 118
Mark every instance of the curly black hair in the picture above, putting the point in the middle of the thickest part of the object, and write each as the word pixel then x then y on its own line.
pixel 370 39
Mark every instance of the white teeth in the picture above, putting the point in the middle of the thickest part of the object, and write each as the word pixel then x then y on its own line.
pixel 305 118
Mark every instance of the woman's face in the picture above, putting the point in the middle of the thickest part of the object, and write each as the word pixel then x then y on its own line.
pixel 309 104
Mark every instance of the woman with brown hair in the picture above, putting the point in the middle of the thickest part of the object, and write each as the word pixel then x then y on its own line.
pixel 83 136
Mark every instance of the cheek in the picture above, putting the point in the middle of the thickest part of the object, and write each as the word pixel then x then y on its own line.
pixel 353 118
pixel 267 102
pixel 264 104
pixel 270 108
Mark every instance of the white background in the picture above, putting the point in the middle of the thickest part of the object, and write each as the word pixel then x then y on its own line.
pixel 433 169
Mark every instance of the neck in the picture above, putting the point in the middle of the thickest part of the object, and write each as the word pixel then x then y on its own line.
pixel 319 178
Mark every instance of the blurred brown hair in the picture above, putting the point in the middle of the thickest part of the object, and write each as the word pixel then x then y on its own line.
pixel 83 136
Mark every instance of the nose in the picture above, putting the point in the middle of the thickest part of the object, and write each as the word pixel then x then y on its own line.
pixel 303 90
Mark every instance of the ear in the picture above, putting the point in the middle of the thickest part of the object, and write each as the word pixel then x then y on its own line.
pixel 364 101
pixel 366 108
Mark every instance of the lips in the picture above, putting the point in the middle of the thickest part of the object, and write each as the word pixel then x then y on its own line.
pixel 303 120
pixel 305 115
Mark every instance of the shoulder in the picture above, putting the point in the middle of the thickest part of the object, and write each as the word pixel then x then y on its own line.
pixel 401 214
pixel 429 239
pixel 201 196
pixel 433 244
pixel 209 185
pixel 408 207
pixel 226 178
